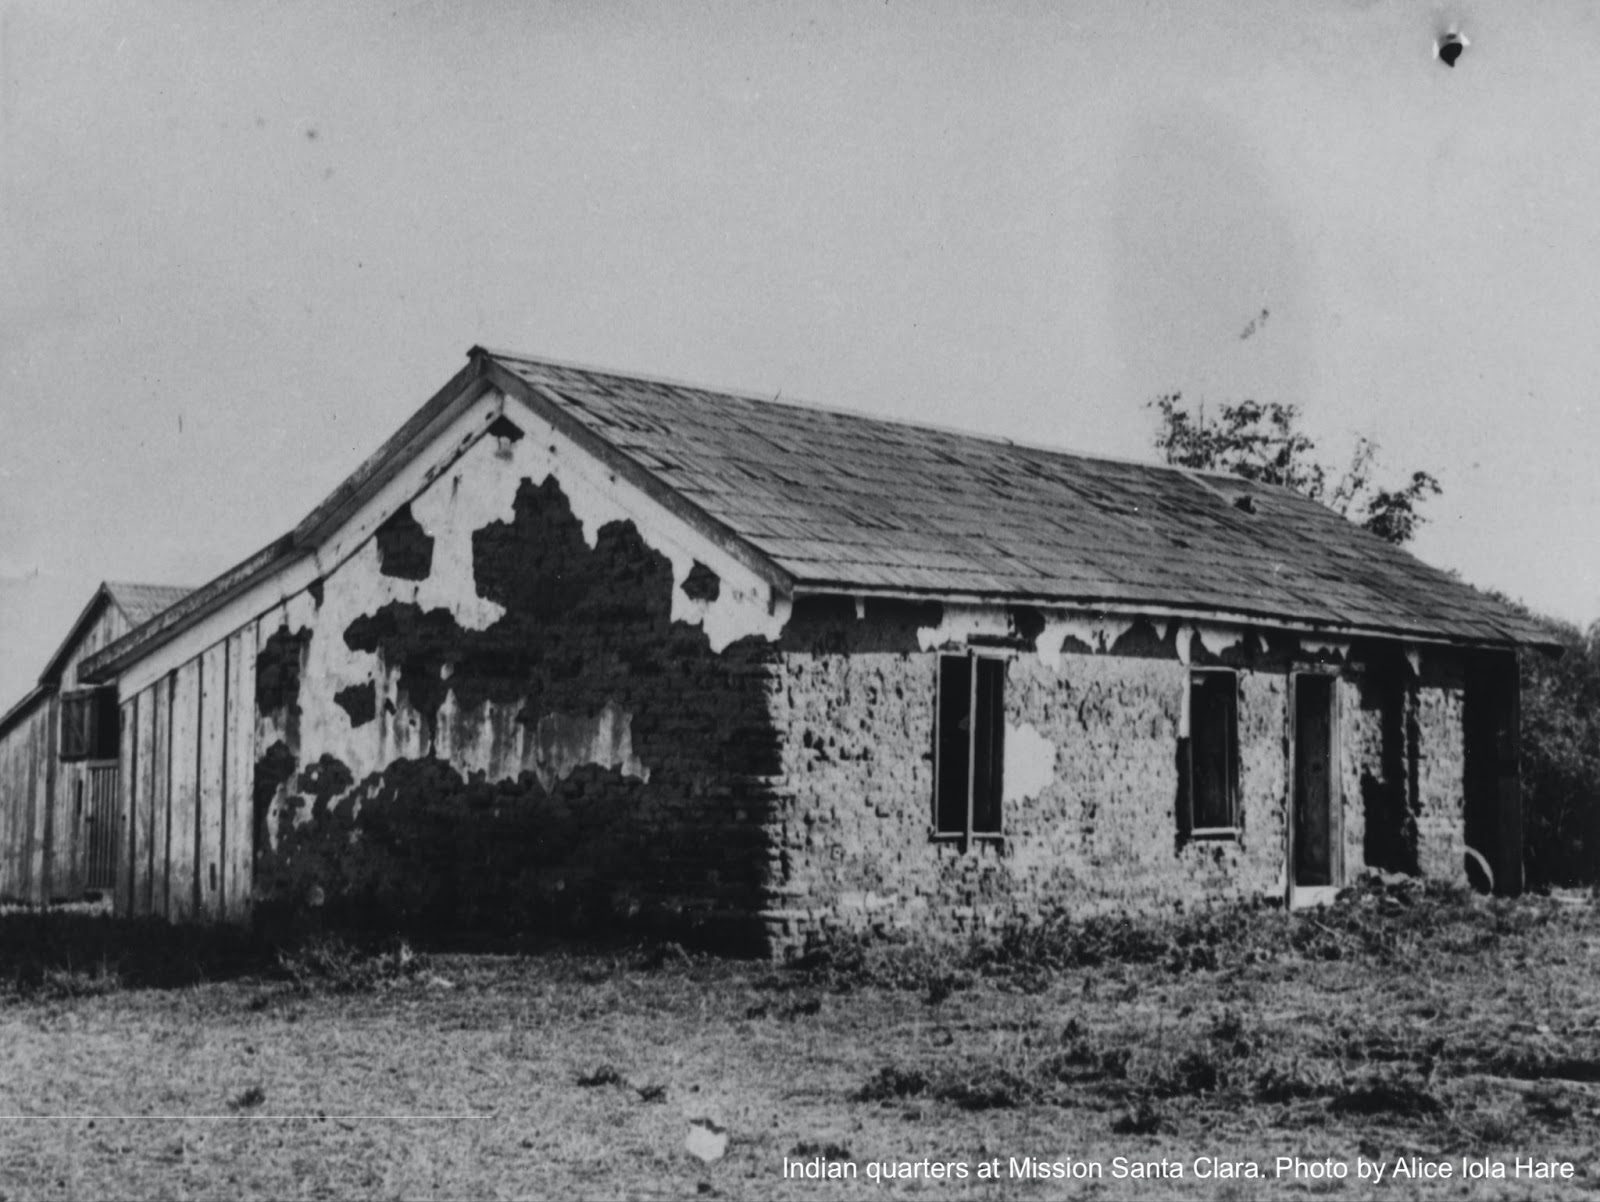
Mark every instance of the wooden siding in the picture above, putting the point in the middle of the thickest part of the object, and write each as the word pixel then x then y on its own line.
pixel 239 756
pixel 187 793
pixel 57 837
pixel 107 628
pixel 139 786
pixel 210 796
pixel 25 754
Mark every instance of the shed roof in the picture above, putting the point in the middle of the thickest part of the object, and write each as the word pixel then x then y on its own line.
pixel 822 499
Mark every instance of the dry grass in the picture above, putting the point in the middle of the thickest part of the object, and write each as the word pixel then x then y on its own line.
pixel 1397 1023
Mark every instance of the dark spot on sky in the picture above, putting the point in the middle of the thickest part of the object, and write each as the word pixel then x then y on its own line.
pixel 311 134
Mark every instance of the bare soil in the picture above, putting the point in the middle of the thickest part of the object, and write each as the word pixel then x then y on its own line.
pixel 1397 1025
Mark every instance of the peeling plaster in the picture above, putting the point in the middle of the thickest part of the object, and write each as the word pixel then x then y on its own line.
pixel 1182 640
pixel 1030 763
pixel 481 489
pixel 1218 639
pixel 564 742
pixel 1097 633
pixel 1335 647
pixel 959 624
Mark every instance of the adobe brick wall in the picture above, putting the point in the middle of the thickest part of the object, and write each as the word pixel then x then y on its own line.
pixel 1440 795
pixel 525 705
pixel 514 710
pixel 854 699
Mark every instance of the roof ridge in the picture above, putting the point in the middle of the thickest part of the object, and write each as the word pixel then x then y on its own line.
pixel 805 405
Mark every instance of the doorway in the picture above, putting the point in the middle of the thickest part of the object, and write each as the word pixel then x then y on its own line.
pixel 1315 830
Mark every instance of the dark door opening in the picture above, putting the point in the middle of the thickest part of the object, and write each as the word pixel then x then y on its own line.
pixel 1315 792
pixel 1493 780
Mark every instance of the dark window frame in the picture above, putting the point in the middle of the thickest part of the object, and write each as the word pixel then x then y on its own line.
pixel 977 797
pixel 91 725
pixel 1202 687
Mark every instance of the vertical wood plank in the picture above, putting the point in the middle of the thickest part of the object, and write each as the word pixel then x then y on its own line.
pixel 127 772
pixel 185 761
pixel 46 850
pixel 41 749
pixel 10 806
pixel 143 856
pixel 161 796
pixel 238 875
pixel 213 774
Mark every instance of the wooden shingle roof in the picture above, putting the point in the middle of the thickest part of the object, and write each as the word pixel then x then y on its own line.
pixel 141 602
pixel 821 500
pixel 843 501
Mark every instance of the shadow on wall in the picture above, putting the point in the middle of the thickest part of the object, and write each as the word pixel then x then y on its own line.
pixel 669 838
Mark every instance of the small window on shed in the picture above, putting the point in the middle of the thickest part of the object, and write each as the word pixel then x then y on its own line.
pixel 1208 758
pixel 90 725
pixel 969 752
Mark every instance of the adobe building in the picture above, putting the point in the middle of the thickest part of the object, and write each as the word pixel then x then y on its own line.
pixel 577 648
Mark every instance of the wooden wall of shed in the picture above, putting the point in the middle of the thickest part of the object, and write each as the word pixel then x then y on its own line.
pixel 107 628
pixel 189 744
pixel 26 759
pixel 44 839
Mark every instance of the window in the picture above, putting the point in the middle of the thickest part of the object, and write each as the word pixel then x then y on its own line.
pixel 90 723
pixel 1208 756
pixel 969 746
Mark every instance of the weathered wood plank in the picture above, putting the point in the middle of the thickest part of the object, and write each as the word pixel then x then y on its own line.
pixel 13 775
pixel 31 836
pixel 127 772
pixel 144 739
pixel 213 774
pixel 44 856
pixel 69 799
pixel 182 832
pixel 13 806
pixel 161 797
pixel 238 812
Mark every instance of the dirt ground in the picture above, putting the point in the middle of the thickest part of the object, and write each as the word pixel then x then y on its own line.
pixel 1436 1032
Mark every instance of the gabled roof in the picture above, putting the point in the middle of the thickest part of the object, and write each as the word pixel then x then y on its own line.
pixel 842 501
pixel 819 499
pixel 141 602
pixel 138 604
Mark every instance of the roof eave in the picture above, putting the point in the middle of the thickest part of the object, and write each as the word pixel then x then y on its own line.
pixel 466 385
pixel 28 700
pixel 52 670
pixel 173 621
pixel 820 586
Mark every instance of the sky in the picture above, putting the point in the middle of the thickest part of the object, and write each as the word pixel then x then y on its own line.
pixel 240 243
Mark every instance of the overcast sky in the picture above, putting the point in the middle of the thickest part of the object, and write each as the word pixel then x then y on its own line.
pixel 241 242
